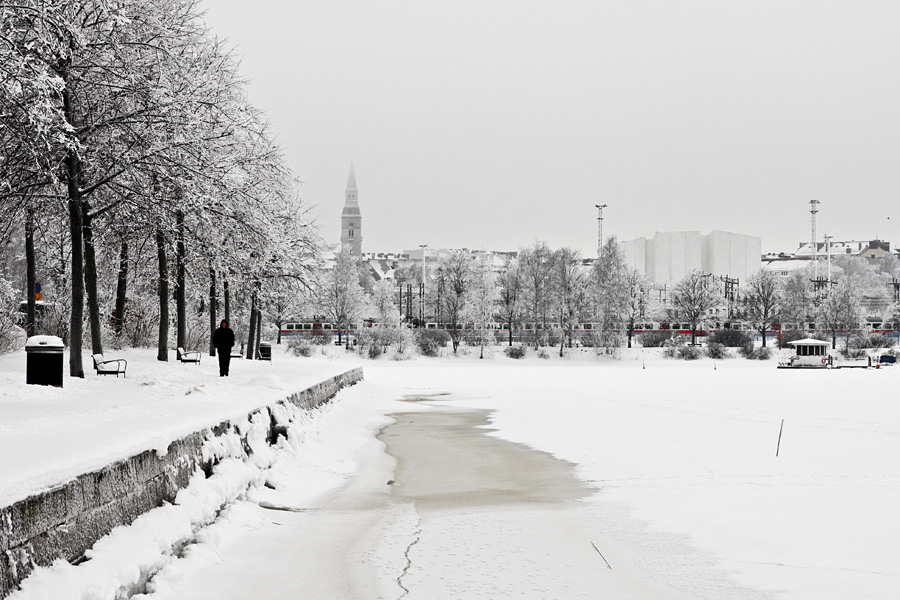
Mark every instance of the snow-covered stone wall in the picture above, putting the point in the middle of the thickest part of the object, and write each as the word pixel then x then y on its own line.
pixel 65 521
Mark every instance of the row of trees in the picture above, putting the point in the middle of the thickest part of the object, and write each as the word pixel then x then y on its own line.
pixel 555 290
pixel 134 171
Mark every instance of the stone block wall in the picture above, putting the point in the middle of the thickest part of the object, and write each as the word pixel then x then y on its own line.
pixel 65 521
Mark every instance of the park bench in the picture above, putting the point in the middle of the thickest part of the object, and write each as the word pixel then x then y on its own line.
pixel 112 366
pixel 187 357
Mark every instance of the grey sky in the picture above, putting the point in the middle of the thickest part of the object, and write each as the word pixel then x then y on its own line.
pixel 495 123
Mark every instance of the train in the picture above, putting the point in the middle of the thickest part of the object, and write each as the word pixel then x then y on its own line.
pixel 320 327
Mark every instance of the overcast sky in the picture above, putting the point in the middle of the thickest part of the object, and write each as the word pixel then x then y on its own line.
pixel 492 124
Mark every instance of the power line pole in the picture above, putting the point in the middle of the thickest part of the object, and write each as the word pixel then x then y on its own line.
pixel 813 210
pixel 600 208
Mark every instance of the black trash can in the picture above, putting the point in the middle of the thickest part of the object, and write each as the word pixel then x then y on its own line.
pixel 265 351
pixel 44 354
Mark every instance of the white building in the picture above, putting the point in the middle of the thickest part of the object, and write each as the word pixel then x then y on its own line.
pixel 670 255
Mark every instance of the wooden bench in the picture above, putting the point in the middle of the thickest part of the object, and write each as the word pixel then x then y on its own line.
pixel 112 366
pixel 188 357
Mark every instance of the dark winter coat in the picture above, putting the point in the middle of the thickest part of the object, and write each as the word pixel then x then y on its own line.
pixel 223 339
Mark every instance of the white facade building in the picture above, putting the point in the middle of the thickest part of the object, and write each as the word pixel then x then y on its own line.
pixel 670 255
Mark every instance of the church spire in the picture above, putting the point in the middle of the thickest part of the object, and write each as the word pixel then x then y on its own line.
pixel 351 218
pixel 351 179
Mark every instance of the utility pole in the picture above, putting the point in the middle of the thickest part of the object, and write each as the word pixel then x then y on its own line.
pixel 828 252
pixel 600 208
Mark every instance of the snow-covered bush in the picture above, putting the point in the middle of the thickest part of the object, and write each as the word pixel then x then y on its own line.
pixel 731 338
pixel 542 353
pixel 300 346
pixel 689 352
pixel 404 339
pixel 368 343
pixel 608 343
pixel 716 350
pixel 869 341
pixel 749 351
pixel 430 341
pixel 12 337
pixel 672 345
pixel 517 351
pixel 654 339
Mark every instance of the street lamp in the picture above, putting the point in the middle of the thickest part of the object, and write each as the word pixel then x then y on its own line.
pixel 422 303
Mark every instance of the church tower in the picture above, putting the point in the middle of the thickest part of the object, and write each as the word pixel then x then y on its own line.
pixel 351 219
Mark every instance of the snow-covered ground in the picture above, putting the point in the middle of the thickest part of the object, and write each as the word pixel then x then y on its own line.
pixel 50 435
pixel 682 454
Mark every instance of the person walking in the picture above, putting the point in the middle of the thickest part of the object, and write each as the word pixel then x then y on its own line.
pixel 223 340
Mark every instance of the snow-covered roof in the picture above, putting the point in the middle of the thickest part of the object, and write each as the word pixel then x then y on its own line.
pixel 809 342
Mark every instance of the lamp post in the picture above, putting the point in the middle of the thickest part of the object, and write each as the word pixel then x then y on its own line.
pixel 600 208
pixel 422 303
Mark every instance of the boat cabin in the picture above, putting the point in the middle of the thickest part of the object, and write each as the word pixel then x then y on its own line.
pixel 809 353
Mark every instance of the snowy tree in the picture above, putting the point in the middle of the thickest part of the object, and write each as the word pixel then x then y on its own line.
pixel 636 290
pixel 569 289
pixel 536 272
pixel 382 302
pixel 840 309
pixel 797 298
pixel 693 297
pixel 511 296
pixel 482 300
pixel 609 280
pixel 341 297
pixel 456 273
pixel 761 301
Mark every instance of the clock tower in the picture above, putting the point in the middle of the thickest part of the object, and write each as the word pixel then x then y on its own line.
pixel 351 219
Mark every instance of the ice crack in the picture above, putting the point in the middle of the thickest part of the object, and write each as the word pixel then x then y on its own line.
pixel 403 573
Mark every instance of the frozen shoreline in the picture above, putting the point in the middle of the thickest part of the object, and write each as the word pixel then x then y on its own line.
pixel 683 454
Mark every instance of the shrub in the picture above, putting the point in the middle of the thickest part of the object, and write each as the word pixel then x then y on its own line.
pixel 716 350
pixel 300 346
pixel 873 340
pixel 517 351
pixel 654 339
pixel 672 346
pixel 749 351
pixel 689 353
pixel 430 341
pixel 542 353
pixel 731 338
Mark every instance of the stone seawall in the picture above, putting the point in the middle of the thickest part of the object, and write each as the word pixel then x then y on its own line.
pixel 65 521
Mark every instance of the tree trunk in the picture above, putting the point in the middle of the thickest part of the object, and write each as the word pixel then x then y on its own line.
pixel 833 339
pixel 122 287
pixel 180 308
pixel 251 354
pixel 763 332
pixel 630 333
pixel 227 294
pixel 73 189
pixel 212 309
pixel 693 334
pixel 90 279
pixel 163 343
pixel 510 332
pixel 258 327
pixel 30 276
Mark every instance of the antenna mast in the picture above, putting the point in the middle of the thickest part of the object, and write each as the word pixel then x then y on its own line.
pixel 600 208
pixel 813 209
